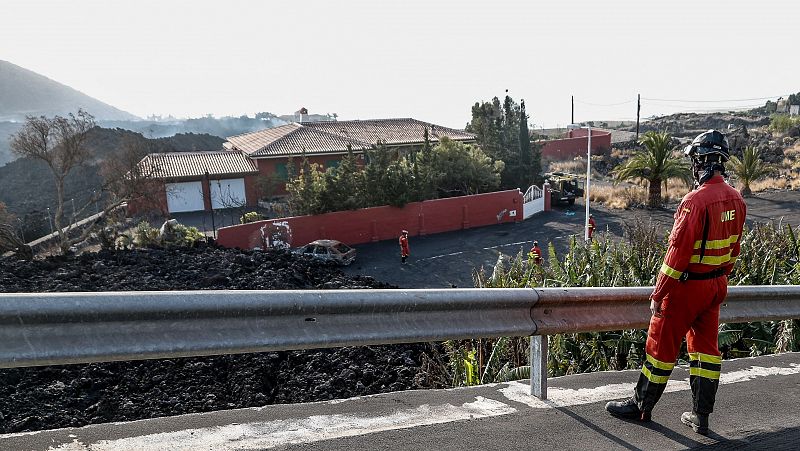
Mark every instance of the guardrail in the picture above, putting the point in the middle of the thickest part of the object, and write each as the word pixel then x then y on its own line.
pixel 63 328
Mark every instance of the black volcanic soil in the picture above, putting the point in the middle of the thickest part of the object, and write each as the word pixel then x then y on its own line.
pixel 76 395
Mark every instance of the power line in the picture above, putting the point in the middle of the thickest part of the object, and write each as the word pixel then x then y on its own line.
pixel 699 107
pixel 714 101
pixel 605 104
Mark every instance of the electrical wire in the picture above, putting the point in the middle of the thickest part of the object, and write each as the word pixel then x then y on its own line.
pixel 603 104
pixel 714 101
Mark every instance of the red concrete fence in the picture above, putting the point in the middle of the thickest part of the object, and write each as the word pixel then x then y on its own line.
pixel 379 223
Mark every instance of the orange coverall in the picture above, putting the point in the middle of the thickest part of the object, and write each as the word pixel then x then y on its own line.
pixel 537 254
pixel 404 252
pixel 591 227
pixel 692 283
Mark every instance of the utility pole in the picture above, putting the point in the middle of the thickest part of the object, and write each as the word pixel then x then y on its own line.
pixel 573 110
pixel 638 109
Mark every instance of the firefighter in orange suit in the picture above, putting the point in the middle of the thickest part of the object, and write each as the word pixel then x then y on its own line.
pixel 591 226
pixel 403 240
pixel 536 253
pixel 691 285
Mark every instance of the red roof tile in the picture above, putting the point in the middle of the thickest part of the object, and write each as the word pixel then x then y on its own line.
pixel 335 136
pixel 390 131
pixel 174 165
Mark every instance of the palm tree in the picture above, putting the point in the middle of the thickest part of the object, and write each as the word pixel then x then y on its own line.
pixel 749 169
pixel 656 164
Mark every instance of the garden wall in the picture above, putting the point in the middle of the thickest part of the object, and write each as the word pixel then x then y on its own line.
pixel 379 223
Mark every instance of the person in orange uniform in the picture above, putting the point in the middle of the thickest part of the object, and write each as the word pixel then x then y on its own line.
pixel 403 240
pixel 536 253
pixel 692 283
pixel 591 226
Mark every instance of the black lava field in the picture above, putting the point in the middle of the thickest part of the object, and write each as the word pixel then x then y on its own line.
pixel 76 395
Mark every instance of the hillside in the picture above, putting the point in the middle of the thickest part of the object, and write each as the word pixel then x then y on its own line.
pixel 27 188
pixel 24 92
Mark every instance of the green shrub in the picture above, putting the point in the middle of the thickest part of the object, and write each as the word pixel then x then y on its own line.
pixel 251 216
pixel 145 235
pixel 781 123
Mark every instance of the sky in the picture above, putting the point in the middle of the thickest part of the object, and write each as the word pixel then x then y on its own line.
pixel 426 59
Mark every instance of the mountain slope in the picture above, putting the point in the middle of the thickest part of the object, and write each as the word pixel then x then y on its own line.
pixel 24 92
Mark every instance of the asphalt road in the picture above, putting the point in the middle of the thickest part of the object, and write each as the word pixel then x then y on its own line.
pixel 449 259
pixel 756 409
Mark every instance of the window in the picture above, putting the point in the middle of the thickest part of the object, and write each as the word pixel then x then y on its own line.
pixel 281 171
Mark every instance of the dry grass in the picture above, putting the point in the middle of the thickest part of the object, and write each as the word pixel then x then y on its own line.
pixel 577 166
pixel 619 197
pixel 771 183
pixel 629 195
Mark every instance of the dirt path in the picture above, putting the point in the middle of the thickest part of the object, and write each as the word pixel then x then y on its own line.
pixel 449 259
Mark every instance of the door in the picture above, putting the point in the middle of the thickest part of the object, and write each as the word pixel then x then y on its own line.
pixel 185 196
pixel 227 193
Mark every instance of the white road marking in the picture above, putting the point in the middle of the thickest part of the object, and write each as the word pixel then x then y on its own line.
pixel 440 256
pixel 269 434
pixel 261 435
pixel 565 397
pixel 506 245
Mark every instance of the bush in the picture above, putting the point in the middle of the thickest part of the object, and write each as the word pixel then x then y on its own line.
pixel 781 123
pixel 174 235
pixel 145 235
pixel 251 216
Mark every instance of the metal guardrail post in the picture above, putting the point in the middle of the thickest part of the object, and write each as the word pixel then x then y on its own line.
pixel 539 366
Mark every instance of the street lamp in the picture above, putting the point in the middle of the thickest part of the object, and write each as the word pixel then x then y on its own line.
pixel 588 178
pixel 588 175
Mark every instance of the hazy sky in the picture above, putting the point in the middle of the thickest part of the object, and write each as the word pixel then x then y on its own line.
pixel 430 60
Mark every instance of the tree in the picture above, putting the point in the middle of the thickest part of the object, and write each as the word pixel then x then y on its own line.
pixel 461 169
pixel 344 185
pixel 388 179
pixel 497 130
pixel 305 190
pixel 60 142
pixel 749 169
pixel 530 157
pixel 656 164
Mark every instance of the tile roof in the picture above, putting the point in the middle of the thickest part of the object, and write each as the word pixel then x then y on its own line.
pixel 390 131
pixel 173 165
pixel 291 139
pixel 334 136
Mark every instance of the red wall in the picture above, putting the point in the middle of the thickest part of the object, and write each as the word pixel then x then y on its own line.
pixel 383 223
pixel 568 148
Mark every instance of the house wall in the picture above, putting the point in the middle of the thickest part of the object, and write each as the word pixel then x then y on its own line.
pixel 269 166
pixel 382 223
pixel 158 200
pixel 154 200
pixel 568 148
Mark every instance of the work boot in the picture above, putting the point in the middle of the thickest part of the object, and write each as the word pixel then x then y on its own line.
pixel 696 421
pixel 627 409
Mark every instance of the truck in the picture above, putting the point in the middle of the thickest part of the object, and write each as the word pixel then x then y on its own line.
pixel 564 187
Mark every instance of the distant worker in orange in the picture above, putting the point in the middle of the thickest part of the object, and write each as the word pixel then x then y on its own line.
pixel 592 226
pixel 536 253
pixel 404 252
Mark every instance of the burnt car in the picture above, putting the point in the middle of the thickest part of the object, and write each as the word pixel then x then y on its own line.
pixel 329 250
